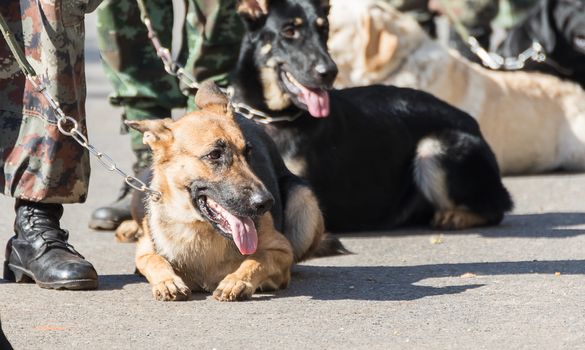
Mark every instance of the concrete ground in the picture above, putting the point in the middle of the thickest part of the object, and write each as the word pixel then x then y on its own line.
pixel 520 285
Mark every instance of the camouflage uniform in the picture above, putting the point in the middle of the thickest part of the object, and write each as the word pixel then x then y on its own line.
pixel 37 163
pixel 213 34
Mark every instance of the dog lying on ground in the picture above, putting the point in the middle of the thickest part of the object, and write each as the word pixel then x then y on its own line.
pixel 559 26
pixel 226 196
pixel 533 122
pixel 376 157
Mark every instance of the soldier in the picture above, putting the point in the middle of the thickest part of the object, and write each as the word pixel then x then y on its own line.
pixel 475 15
pixel 40 167
pixel 213 33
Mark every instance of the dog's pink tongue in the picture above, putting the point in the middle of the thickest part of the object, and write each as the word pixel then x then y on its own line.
pixel 242 229
pixel 244 233
pixel 317 101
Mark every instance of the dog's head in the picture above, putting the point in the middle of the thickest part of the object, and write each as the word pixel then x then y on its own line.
pixel 200 165
pixel 370 40
pixel 290 42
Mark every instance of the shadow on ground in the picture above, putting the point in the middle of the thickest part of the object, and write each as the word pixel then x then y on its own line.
pixel 386 283
pixel 545 225
pixel 381 283
pixel 115 282
pixel 110 282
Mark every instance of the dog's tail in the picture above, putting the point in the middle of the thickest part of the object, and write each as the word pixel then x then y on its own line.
pixel 329 246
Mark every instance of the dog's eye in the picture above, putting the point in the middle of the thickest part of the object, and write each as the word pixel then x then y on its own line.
pixel 214 155
pixel 248 150
pixel 290 32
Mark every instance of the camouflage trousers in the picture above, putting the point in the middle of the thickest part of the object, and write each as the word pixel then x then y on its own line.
pixel 212 37
pixel 38 163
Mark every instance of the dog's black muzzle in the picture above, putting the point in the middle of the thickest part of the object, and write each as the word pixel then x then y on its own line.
pixel 246 201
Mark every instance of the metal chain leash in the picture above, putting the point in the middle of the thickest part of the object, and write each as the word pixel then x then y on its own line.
pixel 176 69
pixel 493 60
pixel 66 124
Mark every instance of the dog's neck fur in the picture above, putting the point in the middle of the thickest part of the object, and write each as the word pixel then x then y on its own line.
pixel 173 218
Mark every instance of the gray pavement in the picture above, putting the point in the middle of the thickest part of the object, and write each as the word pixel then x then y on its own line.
pixel 517 286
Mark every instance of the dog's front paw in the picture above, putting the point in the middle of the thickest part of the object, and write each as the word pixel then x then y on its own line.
pixel 171 290
pixel 233 289
pixel 129 231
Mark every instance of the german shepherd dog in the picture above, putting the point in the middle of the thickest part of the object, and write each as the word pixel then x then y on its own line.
pixel 226 196
pixel 376 156
pixel 559 26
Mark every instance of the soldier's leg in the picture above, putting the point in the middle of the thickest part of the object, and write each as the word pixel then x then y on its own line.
pixel 476 16
pixel 39 166
pixel 141 85
pixel 214 35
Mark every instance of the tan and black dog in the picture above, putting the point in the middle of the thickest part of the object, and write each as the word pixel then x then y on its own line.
pixel 226 198
pixel 377 157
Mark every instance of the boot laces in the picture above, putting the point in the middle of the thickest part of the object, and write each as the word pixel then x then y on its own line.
pixel 52 242
pixel 53 236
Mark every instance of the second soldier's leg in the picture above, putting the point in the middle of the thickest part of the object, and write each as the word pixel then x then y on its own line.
pixel 141 85
pixel 476 16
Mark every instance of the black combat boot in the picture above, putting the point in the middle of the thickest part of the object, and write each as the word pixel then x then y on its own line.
pixel 39 251
pixel 110 216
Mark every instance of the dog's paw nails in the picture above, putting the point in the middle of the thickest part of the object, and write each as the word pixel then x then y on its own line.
pixel 456 220
pixel 444 220
pixel 171 290
pixel 233 290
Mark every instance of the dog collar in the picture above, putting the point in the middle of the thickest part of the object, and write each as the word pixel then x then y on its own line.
pixel 261 117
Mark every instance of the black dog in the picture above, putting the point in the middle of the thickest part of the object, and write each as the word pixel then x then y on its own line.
pixel 559 26
pixel 377 157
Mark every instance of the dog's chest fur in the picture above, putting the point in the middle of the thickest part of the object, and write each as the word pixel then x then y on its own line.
pixel 199 254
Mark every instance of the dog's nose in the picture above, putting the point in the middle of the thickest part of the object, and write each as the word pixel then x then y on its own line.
pixel 326 72
pixel 261 202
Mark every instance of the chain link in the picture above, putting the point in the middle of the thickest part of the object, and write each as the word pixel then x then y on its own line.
pixel 177 70
pixel 495 61
pixel 63 121
pixel 69 126
pixel 66 124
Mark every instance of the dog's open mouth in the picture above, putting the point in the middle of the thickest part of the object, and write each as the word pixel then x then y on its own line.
pixel 316 100
pixel 241 229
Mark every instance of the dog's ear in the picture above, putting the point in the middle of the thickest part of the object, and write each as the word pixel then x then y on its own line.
pixel 379 44
pixel 252 11
pixel 211 98
pixel 155 132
